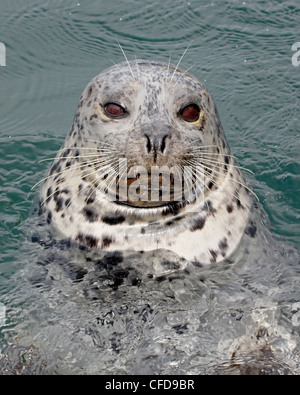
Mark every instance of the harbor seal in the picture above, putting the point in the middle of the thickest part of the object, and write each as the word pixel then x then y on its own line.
pixel 146 166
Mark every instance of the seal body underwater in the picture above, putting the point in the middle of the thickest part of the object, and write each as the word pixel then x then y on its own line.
pixel 133 120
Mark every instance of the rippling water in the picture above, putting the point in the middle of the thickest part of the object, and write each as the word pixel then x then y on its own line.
pixel 241 50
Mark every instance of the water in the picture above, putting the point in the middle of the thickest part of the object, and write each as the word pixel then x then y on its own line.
pixel 59 319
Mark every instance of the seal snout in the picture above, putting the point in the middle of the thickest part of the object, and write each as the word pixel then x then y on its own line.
pixel 156 143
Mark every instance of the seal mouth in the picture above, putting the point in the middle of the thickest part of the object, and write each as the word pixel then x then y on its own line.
pixel 146 191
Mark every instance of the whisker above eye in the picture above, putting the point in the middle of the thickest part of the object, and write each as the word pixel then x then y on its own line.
pixel 180 60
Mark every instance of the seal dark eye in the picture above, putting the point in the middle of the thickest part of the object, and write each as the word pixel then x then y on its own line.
pixel 190 113
pixel 113 110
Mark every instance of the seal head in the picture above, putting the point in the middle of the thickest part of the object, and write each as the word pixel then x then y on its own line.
pixel 146 166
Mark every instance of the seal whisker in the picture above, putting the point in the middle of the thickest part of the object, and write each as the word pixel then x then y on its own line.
pixel 181 77
pixel 92 185
pixel 180 60
pixel 79 149
pixel 71 168
pixel 125 56
pixel 169 65
pixel 121 71
pixel 221 163
pixel 236 181
pixel 68 157
pixel 195 141
pixel 202 172
pixel 57 174
pixel 212 154
pixel 91 155
pixel 190 182
pixel 99 141
pixel 137 66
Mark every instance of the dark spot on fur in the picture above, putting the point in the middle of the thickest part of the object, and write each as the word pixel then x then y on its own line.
pixel 55 168
pixel 66 153
pixel 90 214
pixel 90 199
pixel 93 116
pixel 198 224
pixel 49 218
pixel 214 254
pixel 106 241
pixel 209 207
pixel 89 92
pixel 113 220
pixel 251 230
pixel 197 263
pixel 59 204
pixel 239 204
pixel 229 208
pixel 87 240
pixel 223 245
pixel 49 193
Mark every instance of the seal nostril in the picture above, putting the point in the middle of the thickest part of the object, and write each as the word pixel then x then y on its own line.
pixel 163 144
pixel 148 144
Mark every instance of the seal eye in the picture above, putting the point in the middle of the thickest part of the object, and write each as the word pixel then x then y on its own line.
pixel 190 113
pixel 113 110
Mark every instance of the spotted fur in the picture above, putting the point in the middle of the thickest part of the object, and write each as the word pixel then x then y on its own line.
pixel 75 203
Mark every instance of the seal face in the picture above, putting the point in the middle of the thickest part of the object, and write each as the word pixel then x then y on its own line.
pixel 146 166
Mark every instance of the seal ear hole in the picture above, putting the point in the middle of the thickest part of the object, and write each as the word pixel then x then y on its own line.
pixel 190 113
pixel 114 110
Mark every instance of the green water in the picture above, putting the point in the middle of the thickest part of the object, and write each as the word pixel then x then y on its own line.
pixel 241 50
